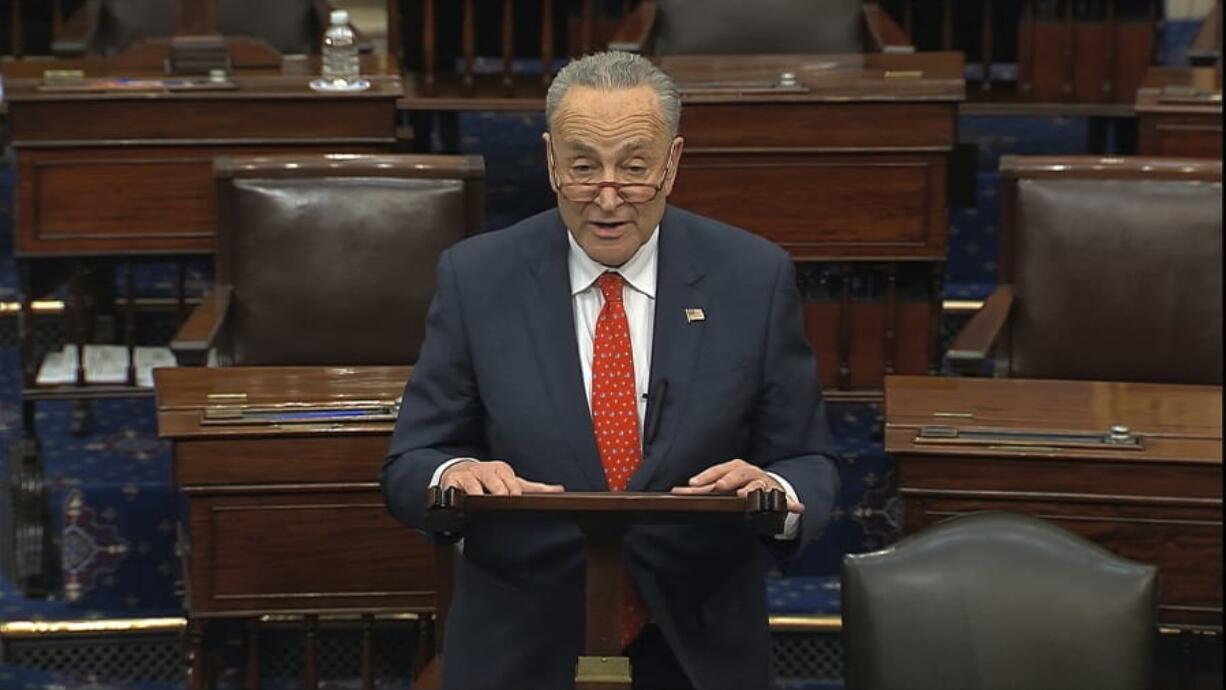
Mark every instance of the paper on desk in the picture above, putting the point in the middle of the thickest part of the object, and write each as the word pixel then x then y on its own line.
pixel 149 358
pixel 104 364
pixel 58 367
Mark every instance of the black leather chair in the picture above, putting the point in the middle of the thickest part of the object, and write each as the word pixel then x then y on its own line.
pixel 329 260
pixel 106 27
pixel 996 601
pixel 1111 270
pixel 737 27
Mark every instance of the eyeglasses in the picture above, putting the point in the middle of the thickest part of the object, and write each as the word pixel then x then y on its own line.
pixel 630 192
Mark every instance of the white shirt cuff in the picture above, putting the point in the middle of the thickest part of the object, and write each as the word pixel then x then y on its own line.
pixel 791 524
pixel 437 477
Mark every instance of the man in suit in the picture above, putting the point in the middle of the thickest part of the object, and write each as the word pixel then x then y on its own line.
pixel 614 343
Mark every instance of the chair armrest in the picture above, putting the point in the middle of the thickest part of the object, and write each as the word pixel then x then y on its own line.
pixel 634 33
pixel 978 339
pixel 199 333
pixel 885 35
pixel 76 31
pixel 1206 46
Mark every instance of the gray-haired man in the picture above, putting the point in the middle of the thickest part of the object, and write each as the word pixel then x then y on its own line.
pixel 543 344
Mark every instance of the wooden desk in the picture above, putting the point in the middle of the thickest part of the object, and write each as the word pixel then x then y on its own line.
pixel 130 173
pixel 1179 112
pixel 852 168
pixel 1159 504
pixel 851 165
pixel 288 519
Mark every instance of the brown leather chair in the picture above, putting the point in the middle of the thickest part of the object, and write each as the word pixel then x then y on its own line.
pixel 997 600
pixel 326 260
pixel 109 26
pixel 737 27
pixel 1111 269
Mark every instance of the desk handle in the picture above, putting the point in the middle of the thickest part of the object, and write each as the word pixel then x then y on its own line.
pixel 1118 437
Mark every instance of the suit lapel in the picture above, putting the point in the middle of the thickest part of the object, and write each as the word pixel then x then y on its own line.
pixel 675 343
pixel 551 321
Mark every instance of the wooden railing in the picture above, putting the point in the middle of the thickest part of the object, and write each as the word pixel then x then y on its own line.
pixel 18 21
pixel 446 41
pixel 1060 56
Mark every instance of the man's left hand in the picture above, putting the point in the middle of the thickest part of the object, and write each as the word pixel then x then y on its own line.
pixel 735 476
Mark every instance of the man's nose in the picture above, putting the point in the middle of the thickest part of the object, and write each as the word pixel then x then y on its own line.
pixel 608 199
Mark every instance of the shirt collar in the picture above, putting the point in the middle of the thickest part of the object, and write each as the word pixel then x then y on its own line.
pixel 639 272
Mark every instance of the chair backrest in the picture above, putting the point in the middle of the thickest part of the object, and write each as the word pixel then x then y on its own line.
pixel 710 27
pixel 997 600
pixel 290 26
pixel 332 260
pixel 1116 266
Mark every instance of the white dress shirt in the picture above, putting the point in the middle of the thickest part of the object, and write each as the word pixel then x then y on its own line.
pixel 639 300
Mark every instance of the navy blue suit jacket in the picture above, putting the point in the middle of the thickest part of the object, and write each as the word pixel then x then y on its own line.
pixel 499 378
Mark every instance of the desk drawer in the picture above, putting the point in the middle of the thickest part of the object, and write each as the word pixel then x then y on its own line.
pixel 1180 135
pixel 880 125
pixel 820 206
pixel 304 551
pixel 252 119
pixel 293 460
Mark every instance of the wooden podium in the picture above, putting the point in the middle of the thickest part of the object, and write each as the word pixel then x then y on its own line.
pixel 1134 467
pixel 603 518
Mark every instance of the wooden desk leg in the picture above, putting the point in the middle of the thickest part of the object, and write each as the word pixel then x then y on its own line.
pixel 196 679
pixel 937 290
pixel 603 667
pixel 253 655
pixel 311 672
pixel 368 657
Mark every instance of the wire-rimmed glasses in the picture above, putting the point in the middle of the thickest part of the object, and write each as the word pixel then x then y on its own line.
pixel 630 192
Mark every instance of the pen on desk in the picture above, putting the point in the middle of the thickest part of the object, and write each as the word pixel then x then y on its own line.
pixel 655 406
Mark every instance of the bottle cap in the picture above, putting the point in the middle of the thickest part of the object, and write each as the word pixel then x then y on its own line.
pixel 340 17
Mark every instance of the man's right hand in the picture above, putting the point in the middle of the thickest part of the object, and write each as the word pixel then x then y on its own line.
pixel 491 477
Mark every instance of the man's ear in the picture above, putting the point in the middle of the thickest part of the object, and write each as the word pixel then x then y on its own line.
pixel 674 162
pixel 549 163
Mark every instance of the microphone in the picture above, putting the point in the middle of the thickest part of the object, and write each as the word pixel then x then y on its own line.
pixel 655 407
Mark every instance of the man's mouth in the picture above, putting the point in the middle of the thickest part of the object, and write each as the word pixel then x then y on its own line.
pixel 608 228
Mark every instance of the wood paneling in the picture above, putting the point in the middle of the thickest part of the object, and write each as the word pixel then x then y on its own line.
pixel 869 350
pixel 803 125
pixel 244 461
pixel 306 551
pixel 818 206
pixel 298 118
pixel 1134 53
pixel 1043 75
pixel 1185 136
pixel 1092 69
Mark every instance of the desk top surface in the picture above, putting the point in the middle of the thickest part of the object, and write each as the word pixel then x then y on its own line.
pixel 1175 421
pixel 854 77
pixel 1192 90
pixel 23 78
pixel 735 79
pixel 184 392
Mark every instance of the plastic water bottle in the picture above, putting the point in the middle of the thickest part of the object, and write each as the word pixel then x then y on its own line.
pixel 340 53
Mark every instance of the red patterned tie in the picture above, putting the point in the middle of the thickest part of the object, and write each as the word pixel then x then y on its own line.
pixel 615 418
